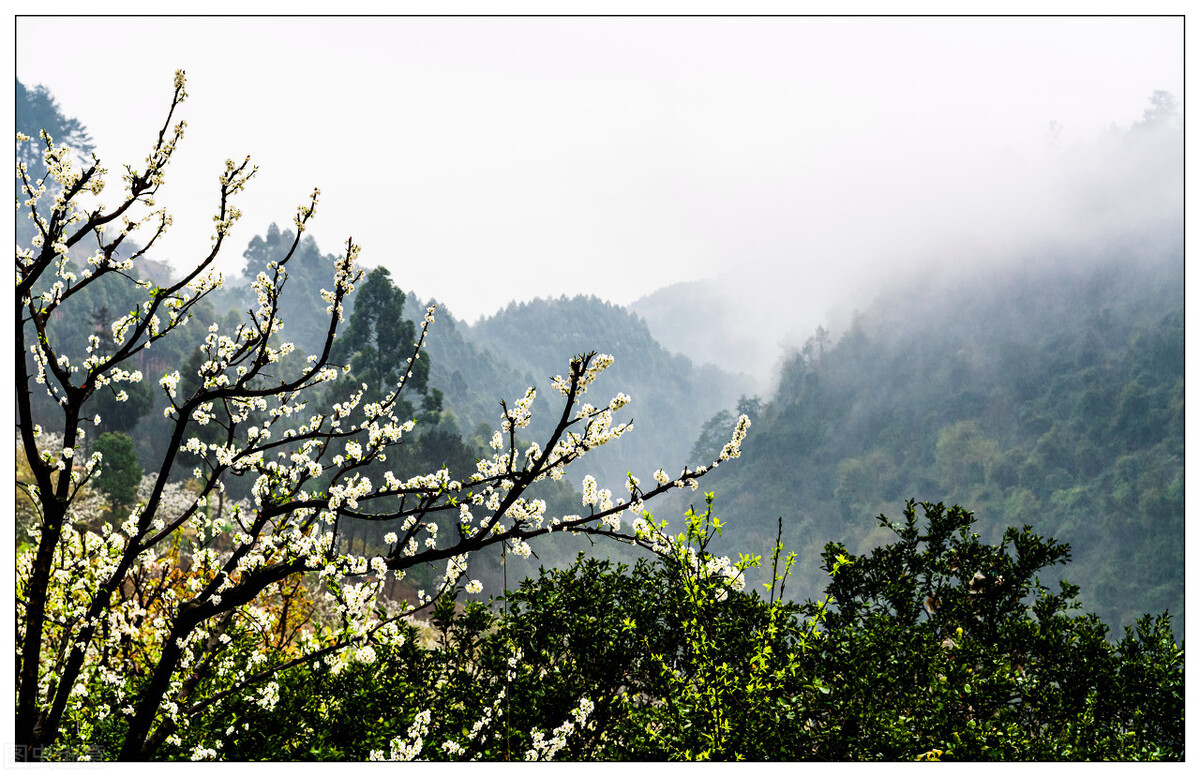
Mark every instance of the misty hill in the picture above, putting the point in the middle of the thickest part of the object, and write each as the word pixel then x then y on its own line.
pixel 671 396
pixel 696 318
pixel 1051 397
pixel 738 321
pixel 474 377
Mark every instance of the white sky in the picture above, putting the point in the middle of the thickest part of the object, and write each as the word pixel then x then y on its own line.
pixel 489 159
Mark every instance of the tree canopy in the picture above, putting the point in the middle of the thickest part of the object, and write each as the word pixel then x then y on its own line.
pixel 374 343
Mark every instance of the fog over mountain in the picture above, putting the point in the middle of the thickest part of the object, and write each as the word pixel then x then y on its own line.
pixel 998 210
pixel 537 157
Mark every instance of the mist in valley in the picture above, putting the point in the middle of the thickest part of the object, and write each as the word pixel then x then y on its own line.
pixel 1008 211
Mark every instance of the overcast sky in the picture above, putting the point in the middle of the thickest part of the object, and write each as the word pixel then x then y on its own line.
pixel 490 159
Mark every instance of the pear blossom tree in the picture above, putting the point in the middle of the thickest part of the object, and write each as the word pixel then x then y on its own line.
pixel 135 625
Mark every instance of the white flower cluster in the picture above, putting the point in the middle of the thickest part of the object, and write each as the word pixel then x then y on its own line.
pixel 544 749
pixel 170 383
pixel 522 413
pixel 456 567
pixel 590 491
pixel 232 180
pixel 529 512
pixel 719 568
pixel 269 696
pixel 202 753
pixel 305 212
pixel 733 448
pixel 599 364
pixel 407 750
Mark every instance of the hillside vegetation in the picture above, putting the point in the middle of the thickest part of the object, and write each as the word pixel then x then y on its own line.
pixel 1053 397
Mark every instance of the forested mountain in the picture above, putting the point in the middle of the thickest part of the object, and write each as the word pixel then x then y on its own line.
pixel 671 396
pixel 1052 396
pixel 472 377
pixel 736 320
pixel 671 314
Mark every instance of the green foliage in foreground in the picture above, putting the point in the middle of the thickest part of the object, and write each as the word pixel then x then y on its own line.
pixel 936 646
pixel 941 646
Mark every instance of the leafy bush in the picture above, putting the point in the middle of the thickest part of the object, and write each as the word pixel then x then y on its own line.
pixel 939 646
pixel 934 647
